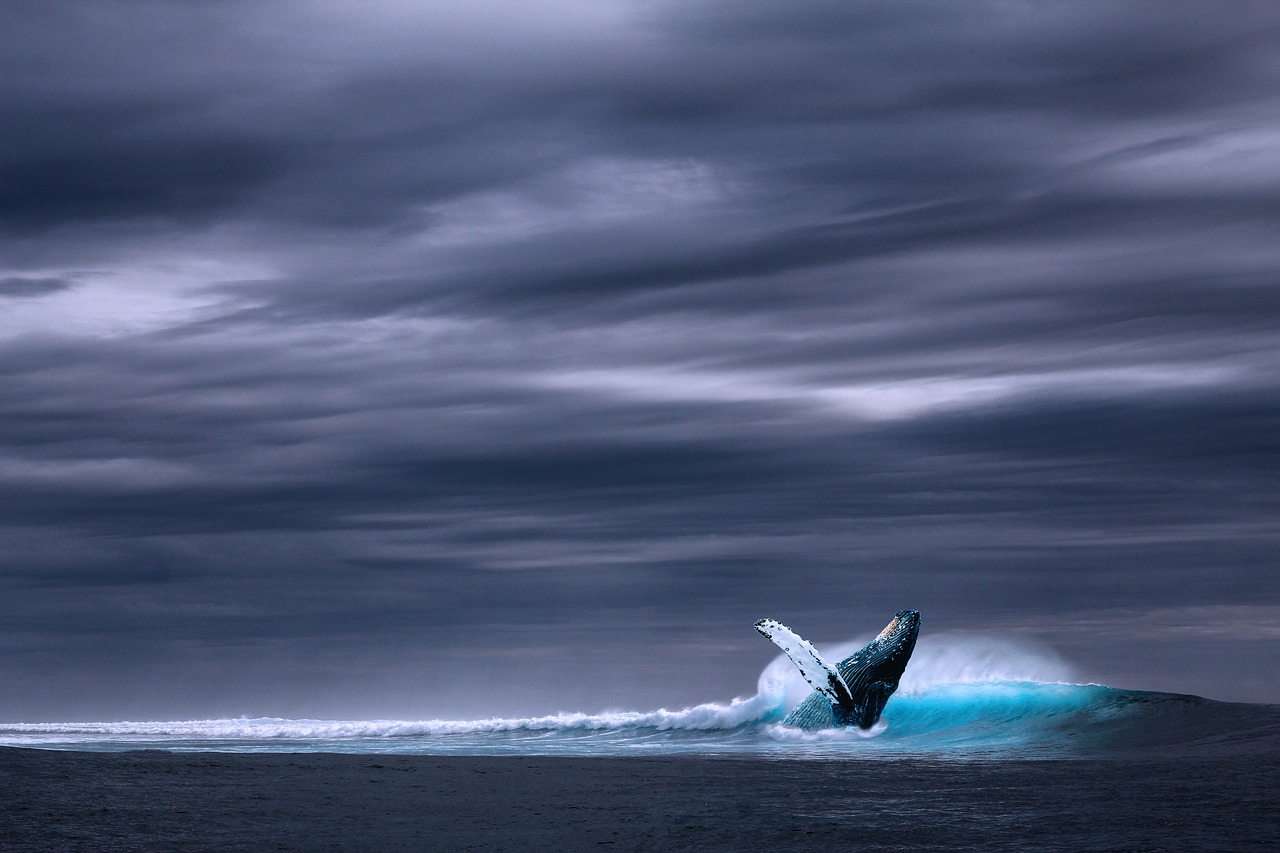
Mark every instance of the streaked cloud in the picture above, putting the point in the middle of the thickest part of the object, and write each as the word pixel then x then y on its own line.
pixel 330 336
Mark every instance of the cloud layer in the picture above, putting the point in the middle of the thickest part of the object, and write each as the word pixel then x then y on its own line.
pixel 346 350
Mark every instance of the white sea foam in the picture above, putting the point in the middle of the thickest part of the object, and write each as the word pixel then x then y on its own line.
pixel 791 734
pixel 706 717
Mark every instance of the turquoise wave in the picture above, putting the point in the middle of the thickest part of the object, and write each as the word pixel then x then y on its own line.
pixel 1002 713
pixel 967 720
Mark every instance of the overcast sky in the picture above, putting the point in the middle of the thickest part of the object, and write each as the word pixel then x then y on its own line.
pixel 440 359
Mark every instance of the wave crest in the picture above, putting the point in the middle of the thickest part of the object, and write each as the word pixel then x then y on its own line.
pixel 706 717
pixel 967 695
pixel 939 660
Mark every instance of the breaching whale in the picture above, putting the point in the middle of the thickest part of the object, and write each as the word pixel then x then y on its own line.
pixel 854 691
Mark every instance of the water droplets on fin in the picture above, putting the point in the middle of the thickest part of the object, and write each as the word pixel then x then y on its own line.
pixel 807 660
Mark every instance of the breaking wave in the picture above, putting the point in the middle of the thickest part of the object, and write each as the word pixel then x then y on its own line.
pixel 962 696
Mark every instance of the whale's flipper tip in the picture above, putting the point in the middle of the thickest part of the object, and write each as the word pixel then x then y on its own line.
pixel 767 627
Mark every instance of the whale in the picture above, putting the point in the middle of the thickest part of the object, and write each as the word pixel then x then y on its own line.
pixel 854 691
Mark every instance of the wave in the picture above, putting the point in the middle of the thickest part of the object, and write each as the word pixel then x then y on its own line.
pixel 954 720
pixel 707 717
pixel 939 659
pixel 962 697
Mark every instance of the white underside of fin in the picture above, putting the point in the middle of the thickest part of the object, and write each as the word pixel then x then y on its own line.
pixel 822 675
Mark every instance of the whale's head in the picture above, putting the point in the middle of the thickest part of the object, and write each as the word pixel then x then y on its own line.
pixel 890 651
pixel 903 627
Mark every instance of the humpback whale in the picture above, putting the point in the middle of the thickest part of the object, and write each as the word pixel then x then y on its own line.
pixel 854 691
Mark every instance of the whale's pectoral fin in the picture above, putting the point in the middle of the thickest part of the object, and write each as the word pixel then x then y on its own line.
pixel 822 675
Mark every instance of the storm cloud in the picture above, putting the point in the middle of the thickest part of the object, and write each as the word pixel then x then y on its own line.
pixel 427 361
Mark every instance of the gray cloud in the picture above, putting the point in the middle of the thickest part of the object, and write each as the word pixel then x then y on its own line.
pixel 598 332
pixel 20 286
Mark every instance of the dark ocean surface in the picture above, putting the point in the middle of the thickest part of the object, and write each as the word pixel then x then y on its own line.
pixel 985 766
pixel 200 801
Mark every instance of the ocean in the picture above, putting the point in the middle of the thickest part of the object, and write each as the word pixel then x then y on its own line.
pixel 984 747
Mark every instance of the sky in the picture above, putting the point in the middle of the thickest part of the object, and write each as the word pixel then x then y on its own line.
pixel 437 360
